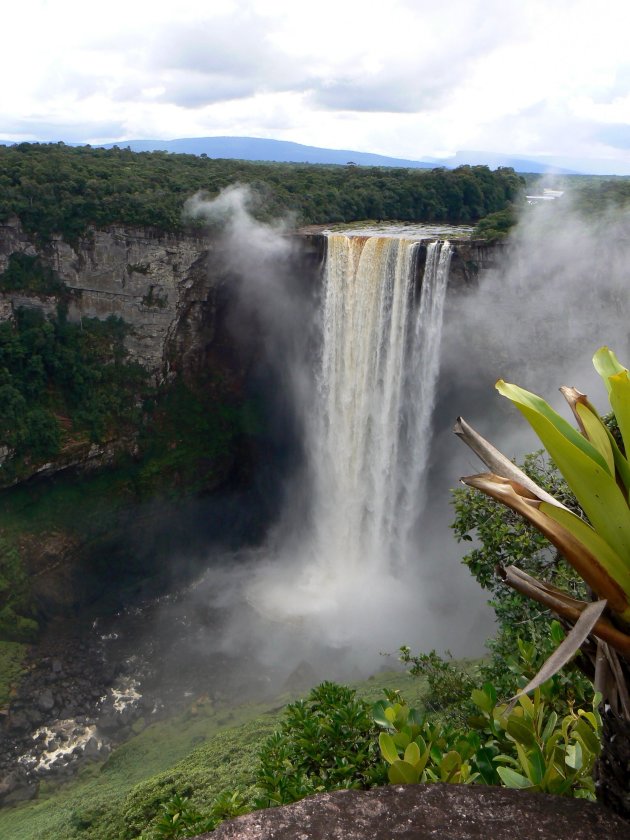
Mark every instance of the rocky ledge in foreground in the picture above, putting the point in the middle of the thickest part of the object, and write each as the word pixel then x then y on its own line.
pixel 421 812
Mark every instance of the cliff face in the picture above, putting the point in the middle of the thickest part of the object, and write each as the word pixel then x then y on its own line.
pixel 471 258
pixel 180 296
pixel 171 289
pixel 145 277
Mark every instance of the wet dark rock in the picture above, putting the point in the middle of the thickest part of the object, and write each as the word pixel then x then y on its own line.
pixel 45 700
pixel 35 717
pixel 92 749
pixel 109 722
pixel 8 784
pixel 17 787
pixel 18 722
pixel 420 812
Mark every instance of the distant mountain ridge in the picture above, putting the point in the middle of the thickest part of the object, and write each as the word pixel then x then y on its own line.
pixel 261 149
pixel 284 151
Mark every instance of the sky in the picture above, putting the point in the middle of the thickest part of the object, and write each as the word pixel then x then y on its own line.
pixel 410 78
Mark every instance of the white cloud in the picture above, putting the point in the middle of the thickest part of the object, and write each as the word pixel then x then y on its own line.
pixel 413 79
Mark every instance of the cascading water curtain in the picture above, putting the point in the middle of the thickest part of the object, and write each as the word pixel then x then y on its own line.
pixel 370 434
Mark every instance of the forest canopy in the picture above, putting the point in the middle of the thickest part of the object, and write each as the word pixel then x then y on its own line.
pixel 59 189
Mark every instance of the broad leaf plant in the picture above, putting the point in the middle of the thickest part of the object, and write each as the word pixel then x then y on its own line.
pixel 596 467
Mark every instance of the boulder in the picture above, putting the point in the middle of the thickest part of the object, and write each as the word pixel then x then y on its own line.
pixel 45 700
pixel 428 812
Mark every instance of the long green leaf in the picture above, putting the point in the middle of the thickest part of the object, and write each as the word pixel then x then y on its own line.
pixel 607 365
pixel 512 779
pixel 577 553
pixel 596 433
pixel 552 720
pixel 584 469
pixel 587 736
pixel 402 773
pixel 620 403
pixel 538 765
pixel 618 569
pixel 412 753
pixel 520 731
pixel 388 747
pixel 574 758
pixel 485 766
pixel 579 405
pixel 529 403
pixel 621 463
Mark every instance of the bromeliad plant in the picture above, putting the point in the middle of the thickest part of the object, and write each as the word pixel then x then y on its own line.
pixel 597 470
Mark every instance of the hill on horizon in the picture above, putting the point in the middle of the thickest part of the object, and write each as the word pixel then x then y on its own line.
pixel 265 150
pixel 284 151
pixel 259 149
pixel 262 149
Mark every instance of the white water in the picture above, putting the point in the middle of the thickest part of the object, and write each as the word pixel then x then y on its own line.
pixel 369 436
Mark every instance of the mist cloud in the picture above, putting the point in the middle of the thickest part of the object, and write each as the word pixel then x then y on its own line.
pixel 280 601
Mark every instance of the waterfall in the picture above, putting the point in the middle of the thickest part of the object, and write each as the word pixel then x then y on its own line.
pixel 375 389
pixel 368 434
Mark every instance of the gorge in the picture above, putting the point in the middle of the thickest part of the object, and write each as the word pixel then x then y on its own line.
pixel 191 308
pixel 249 304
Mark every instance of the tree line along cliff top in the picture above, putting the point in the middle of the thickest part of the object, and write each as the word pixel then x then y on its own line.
pixel 59 189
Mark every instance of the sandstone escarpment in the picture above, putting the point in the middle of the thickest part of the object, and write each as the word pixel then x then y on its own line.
pixel 143 276
pixel 170 288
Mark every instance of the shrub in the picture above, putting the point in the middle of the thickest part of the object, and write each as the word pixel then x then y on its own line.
pixel 326 742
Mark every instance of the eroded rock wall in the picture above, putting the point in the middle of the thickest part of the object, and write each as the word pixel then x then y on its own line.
pixel 141 275
pixel 169 288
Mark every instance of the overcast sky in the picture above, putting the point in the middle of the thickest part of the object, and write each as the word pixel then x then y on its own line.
pixel 408 78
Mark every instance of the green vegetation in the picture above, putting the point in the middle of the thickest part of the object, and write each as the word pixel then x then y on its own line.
pixel 17 614
pixel 199 755
pixel 182 776
pixel 185 446
pixel 594 540
pixel 192 433
pixel 529 747
pixel 597 195
pixel 205 749
pixel 64 384
pixel 503 537
pixel 11 658
pixel 29 274
pixel 331 741
pixel 60 382
pixel 496 225
pixel 328 741
pixel 56 189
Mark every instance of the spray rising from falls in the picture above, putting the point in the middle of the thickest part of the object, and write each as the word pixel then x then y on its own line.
pixel 369 437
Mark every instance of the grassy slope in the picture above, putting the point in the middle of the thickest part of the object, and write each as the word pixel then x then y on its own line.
pixel 202 752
